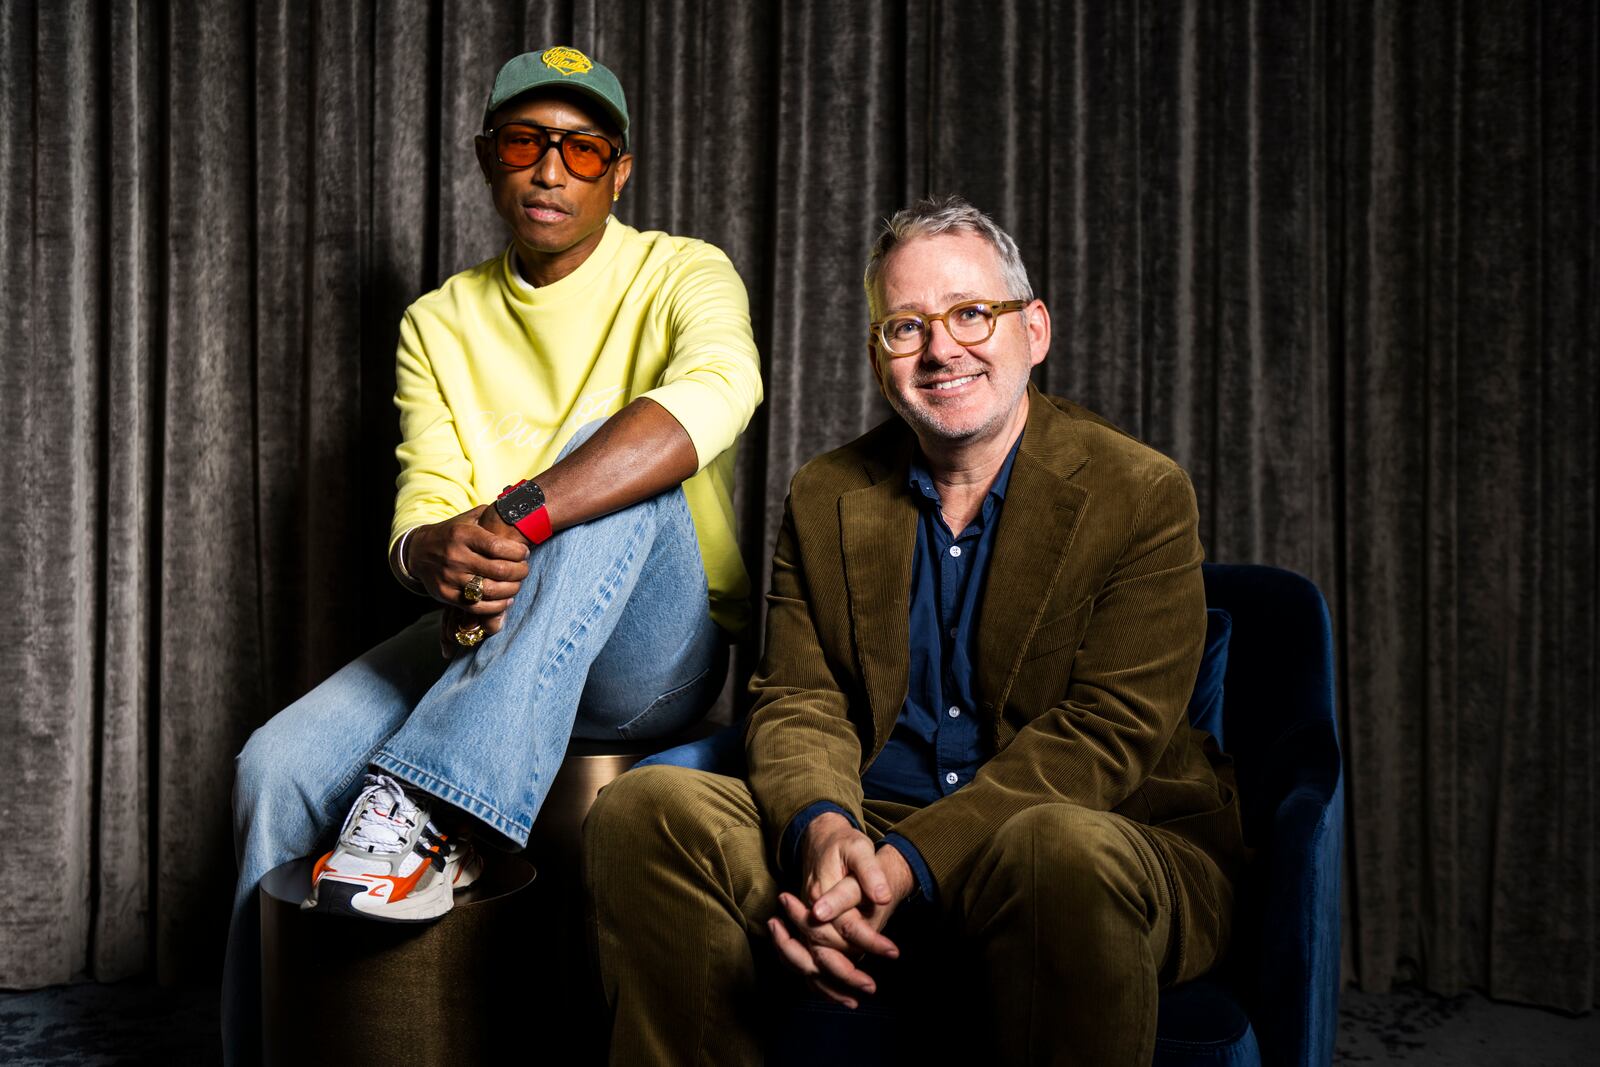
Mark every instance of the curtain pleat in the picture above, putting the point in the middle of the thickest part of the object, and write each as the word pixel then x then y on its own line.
pixel 50 272
pixel 207 625
pixel 1335 257
pixel 128 136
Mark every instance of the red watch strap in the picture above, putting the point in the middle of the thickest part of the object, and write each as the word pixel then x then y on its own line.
pixel 535 526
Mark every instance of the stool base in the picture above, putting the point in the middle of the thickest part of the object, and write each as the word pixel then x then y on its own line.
pixel 335 989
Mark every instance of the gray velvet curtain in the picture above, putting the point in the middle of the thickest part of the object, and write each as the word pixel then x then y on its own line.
pixel 1336 257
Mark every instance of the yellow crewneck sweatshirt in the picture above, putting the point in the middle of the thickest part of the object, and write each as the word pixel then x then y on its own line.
pixel 494 376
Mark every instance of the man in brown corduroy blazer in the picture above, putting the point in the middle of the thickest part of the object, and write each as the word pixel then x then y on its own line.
pixel 984 624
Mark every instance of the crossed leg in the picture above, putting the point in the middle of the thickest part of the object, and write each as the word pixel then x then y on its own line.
pixel 610 636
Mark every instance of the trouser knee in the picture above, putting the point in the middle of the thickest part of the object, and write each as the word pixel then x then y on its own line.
pixel 1081 874
pixel 671 830
pixel 619 816
pixel 1074 855
pixel 643 814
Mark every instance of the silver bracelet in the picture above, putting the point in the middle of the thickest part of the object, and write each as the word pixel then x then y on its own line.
pixel 406 577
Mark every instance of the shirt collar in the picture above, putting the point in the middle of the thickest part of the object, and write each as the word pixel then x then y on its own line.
pixel 920 480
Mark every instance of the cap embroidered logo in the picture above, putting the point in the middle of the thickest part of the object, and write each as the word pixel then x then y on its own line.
pixel 567 61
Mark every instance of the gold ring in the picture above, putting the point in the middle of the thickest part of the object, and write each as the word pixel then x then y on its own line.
pixel 469 637
pixel 472 592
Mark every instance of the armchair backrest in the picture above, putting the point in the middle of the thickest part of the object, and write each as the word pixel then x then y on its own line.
pixel 1281 728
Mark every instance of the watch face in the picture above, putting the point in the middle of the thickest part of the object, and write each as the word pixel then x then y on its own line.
pixel 521 502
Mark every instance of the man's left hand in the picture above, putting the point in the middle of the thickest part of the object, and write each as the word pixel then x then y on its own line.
pixel 454 618
pixel 823 942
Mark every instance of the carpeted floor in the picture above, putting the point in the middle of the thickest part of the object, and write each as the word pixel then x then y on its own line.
pixel 1419 1028
pixel 134 1024
pixel 104 1025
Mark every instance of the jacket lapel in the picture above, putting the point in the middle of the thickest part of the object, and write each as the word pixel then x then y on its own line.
pixel 1042 511
pixel 878 533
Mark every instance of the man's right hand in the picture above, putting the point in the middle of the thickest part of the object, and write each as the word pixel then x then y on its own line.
pixel 833 850
pixel 850 893
pixel 444 556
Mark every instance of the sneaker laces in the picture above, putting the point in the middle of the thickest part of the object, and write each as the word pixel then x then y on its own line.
pixel 375 830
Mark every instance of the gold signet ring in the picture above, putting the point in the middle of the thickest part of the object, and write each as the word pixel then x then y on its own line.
pixel 472 592
pixel 469 637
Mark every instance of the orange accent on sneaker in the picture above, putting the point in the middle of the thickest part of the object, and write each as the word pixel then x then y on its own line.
pixel 400 885
pixel 404 884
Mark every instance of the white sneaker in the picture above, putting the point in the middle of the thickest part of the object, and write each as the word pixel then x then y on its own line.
pixel 391 862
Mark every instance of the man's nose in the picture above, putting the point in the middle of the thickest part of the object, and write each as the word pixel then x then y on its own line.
pixel 549 170
pixel 942 348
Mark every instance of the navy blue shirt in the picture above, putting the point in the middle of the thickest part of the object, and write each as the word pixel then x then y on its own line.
pixel 938 744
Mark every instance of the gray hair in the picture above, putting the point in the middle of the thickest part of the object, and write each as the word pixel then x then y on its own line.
pixel 930 217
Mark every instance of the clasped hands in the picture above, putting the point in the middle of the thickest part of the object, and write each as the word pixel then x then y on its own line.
pixel 444 556
pixel 853 888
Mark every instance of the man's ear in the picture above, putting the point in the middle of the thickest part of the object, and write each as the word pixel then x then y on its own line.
pixel 622 172
pixel 1037 317
pixel 486 161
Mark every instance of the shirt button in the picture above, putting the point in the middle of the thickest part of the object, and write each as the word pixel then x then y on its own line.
pixel 955 712
pixel 955 550
pixel 952 631
pixel 952 778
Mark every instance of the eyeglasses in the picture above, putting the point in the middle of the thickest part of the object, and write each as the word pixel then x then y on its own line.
pixel 519 145
pixel 906 333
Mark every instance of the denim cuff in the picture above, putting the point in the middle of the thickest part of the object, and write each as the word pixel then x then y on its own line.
pixel 919 867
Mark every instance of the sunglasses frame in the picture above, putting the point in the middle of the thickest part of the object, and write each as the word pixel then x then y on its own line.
pixel 493 134
pixel 999 307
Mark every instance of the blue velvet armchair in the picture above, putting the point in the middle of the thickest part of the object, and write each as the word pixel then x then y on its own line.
pixel 1275 1000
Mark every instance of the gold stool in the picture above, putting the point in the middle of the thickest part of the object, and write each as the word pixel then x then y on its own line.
pixel 339 990
pixel 342 990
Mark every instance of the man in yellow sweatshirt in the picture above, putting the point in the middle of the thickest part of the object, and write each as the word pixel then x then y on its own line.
pixel 569 413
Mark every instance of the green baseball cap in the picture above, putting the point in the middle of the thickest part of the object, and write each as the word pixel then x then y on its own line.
pixel 565 68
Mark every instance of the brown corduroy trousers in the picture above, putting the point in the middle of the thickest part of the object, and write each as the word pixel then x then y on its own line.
pixel 1067 925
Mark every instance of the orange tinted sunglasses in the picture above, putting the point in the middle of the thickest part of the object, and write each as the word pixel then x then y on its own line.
pixel 519 145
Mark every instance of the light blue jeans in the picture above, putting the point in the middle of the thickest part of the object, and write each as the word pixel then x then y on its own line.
pixel 609 637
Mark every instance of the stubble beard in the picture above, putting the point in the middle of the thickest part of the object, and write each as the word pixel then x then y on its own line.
pixel 927 421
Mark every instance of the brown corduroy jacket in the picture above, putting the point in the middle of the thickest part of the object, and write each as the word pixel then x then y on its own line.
pixel 1089 636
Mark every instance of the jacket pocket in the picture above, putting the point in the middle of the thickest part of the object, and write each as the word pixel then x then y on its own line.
pixel 1055 634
